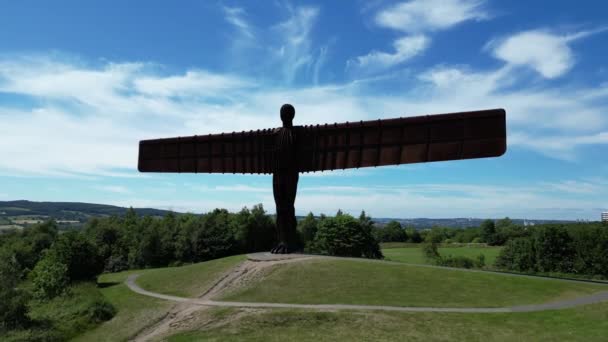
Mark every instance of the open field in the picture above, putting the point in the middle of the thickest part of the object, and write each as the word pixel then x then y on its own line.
pixel 330 281
pixel 588 323
pixel 187 281
pixel 413 254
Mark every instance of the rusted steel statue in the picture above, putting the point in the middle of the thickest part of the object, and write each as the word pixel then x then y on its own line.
pixel 289 150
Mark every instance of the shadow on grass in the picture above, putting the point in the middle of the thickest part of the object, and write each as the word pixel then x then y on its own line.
pixel 103 285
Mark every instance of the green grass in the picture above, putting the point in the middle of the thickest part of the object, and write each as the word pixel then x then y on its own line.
pixel 187 281
pixel 413 255
pixel 66 316
pixel 377 283
pixel 134 312
pixel 587 323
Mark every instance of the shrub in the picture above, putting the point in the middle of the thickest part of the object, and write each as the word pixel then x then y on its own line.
pixel 456 261
pixel 100 311
pixel 517 255
pixel 480 261
pixel 343 235
pixel 49 277
pixel 13 300
pixel 430 251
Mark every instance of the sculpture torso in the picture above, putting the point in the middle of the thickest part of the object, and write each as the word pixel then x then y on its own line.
pixel 285 159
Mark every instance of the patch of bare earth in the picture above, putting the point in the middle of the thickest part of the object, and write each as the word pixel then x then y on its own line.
pixel 188 316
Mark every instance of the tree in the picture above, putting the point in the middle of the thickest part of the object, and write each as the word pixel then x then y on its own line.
pixel 414 235
pixel 345 236
pixel 488 232
pixel 308 229
pixel 391 232
pixel 256 230
pixel 78 253
pixel 50 277
pixel 213 237
pixel 435 236
pixel 13 300
pixel 430 251
pixel 553 249
pixel 517 255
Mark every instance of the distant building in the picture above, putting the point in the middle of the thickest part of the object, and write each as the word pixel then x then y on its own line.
pixel 605 216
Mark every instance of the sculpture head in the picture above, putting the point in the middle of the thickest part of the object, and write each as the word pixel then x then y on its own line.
pixel 287 115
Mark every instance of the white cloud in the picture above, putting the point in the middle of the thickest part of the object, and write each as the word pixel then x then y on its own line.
pixel 545 200
pixel 89 125
pixel 242 188
pixel 547 53
pixel 194 82
pixel 405 48
pixel 417 17
pixel 236 17
pixel 430 15
pixel 117 189
pixel 446 200
pixel 295 52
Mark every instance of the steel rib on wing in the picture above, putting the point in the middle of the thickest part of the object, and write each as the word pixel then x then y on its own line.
pixel 418 139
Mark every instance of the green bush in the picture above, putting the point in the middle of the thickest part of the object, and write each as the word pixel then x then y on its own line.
pixel 430 251
pixel 49 278
pixel 480 261
pixel 100 311
pixel 343 235
pixel 13 300
pixel 580 248
pixel 456 261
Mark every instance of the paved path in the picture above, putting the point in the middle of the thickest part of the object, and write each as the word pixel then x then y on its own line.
pixel 563 304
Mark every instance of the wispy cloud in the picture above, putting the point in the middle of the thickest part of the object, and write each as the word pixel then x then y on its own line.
pixel 546 200
pixel 236 17
pixel 295 51
pixel 90 118
pixel 416 18
pixel 117 189
pixel 405 48
pixel 430 15
pixel 547 53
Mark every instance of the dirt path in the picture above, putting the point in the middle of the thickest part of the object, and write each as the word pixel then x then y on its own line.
pixel 562 304
pixel 184 314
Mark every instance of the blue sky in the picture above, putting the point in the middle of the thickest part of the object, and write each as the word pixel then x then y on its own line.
pixel 82 83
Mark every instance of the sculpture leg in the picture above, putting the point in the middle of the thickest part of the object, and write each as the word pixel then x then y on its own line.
pixel 285 186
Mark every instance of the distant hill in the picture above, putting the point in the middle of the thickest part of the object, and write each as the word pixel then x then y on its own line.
pixel 423 223
pixel 15 214
pixel 23 213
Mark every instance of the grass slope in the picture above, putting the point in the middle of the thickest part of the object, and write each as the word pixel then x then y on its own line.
pixel 413 255
pixel 63 317
pixel 187 281
pixel 137 312
pixel 377 283
pixel 134 312
pixel 588 323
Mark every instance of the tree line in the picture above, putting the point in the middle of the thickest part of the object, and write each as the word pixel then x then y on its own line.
pixel 577 248
pixel 41 262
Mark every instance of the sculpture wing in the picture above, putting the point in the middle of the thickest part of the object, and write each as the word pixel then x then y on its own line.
pixel 244 152
pixel 419 139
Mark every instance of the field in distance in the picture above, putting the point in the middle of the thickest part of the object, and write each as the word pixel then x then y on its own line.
pixel 411 253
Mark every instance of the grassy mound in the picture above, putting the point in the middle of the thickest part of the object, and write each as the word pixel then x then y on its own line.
pixel 134 312
pixel 588 323
pixel 376 283
pixel 187 281
pixel 413 255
